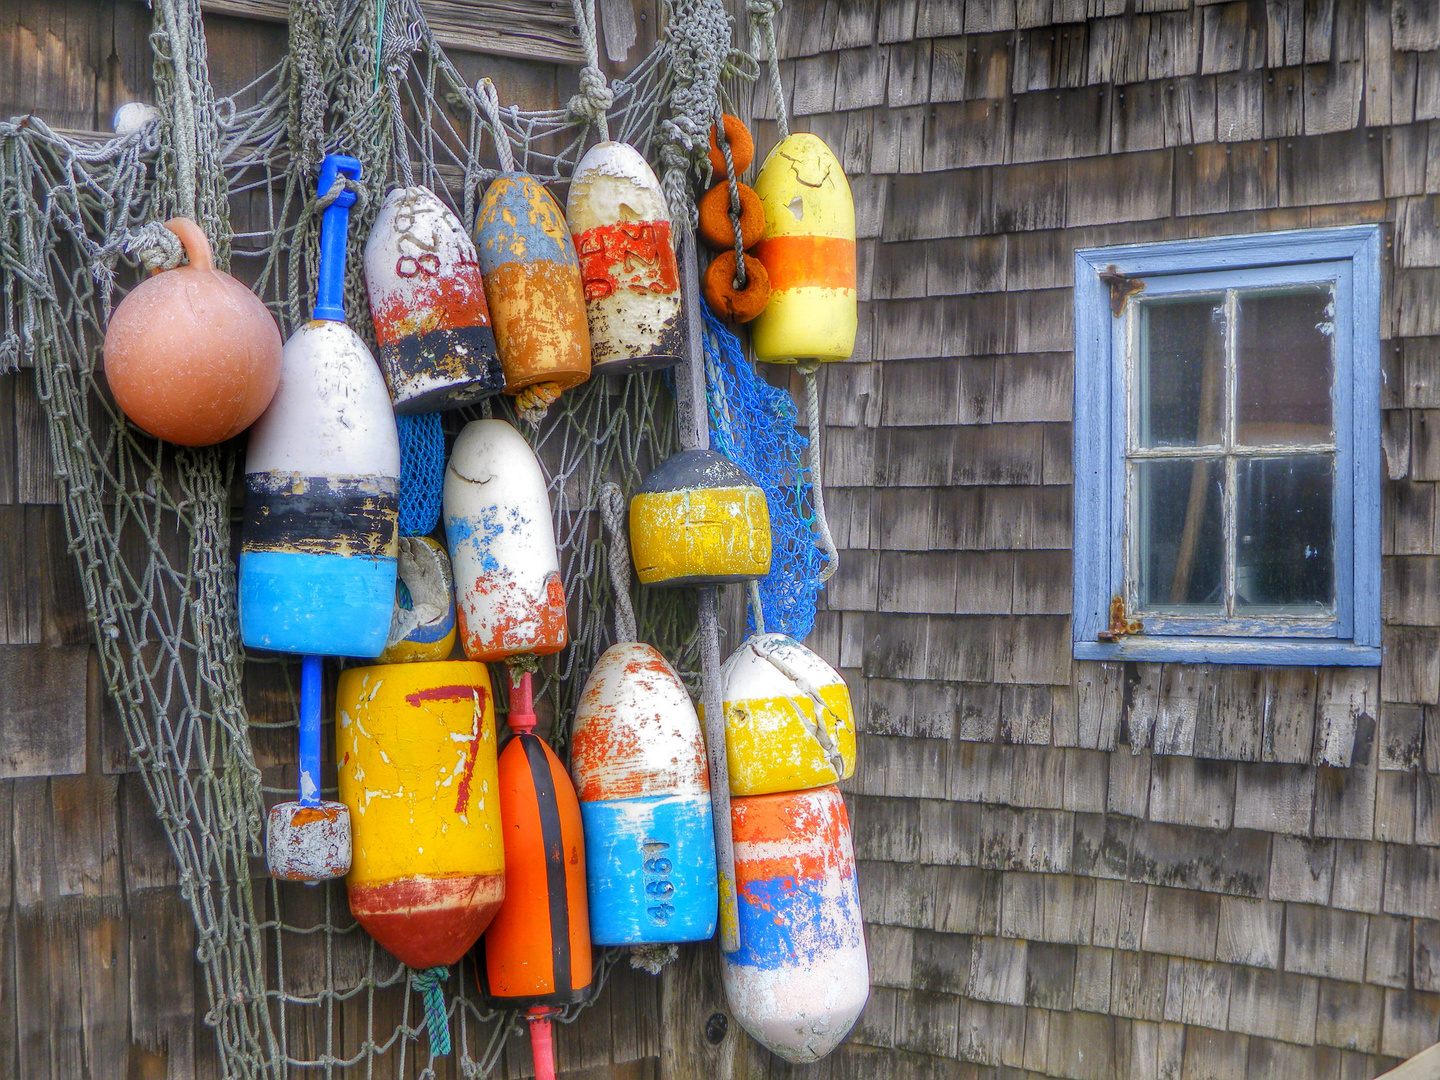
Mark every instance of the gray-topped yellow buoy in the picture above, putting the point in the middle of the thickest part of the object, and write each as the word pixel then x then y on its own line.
pixel 698 519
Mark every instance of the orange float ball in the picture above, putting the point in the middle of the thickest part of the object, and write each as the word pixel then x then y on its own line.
pixel 738 305
pixel 191 355
pixel 742 147
pixel 716 228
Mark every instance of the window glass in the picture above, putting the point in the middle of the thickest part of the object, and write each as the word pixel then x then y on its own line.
pixel 1180 535
pixel 1284 366
pixel 1180 376
pixel 1284 560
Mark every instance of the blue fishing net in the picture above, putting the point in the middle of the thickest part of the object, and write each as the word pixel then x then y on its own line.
pixel 753 424
pixel 422 472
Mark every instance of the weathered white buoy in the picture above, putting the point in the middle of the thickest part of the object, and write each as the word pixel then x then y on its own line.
pixel 617 214
pixel 427 298
pixel 638 761
pixel 133 116
pixel 322 480
pixel 800 978
pixel 788 720
pixel 502 546
pixel 422 627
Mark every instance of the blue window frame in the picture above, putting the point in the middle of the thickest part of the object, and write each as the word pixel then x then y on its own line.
pixel 1227 449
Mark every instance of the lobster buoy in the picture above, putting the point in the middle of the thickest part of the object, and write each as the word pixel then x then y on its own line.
pixel 809 251
pixel 800 978
pixel 638 761
pixel 415 747
pixel 422 627
pixel 788 720
pixel 427 297
pixel 191 355
pixel 621 226
pixel 532 280
pixel 502 546
pixel 698 519
pixel 537 950
pixel 322 481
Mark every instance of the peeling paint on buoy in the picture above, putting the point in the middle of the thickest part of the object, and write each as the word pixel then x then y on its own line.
pixel 621 226
pixel 532 281
pixel 638 760
pixel 800 978
pixel 427 299
pixel 698 519
pixel 422 626
pixel 416 754
pixel 502 546
pixel 788 720
pixel 808 249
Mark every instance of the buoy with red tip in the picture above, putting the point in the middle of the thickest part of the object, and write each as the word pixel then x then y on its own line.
pixel 308 839
pixel 621 225
pixel 510 600
pixel 537 949
pixel 416 757
pixel 638 761
pixel 427 298
pixel 191 355
pixel 322 480
pixel 808 249
pixel 800 978
pixel 789 724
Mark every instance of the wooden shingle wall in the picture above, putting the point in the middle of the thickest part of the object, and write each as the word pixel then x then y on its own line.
pixel 1100 871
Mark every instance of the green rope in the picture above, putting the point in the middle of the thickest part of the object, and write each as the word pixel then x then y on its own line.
pixel 430 983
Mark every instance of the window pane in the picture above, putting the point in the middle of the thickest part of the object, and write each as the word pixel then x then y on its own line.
pixel 1284 557
pixel 1179 535
pixel 1283 356
pixel 1180 377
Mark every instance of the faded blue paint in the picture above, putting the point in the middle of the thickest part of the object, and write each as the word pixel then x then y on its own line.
pixel 650 869
pixel 331 605
pixel 478 533
pixel 1350 258
pixel 519 221
pixel 796 921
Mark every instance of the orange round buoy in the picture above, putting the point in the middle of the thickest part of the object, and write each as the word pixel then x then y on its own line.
pixel 739 305
pixel 716 228
pixel 537 949
pixel 742 146
pixel 191 355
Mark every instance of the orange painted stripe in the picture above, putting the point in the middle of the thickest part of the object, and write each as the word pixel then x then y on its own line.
pixel 795 262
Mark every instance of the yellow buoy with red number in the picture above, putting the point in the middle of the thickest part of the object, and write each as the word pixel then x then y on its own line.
pixel 809 253
pixel 789 724
pixel 415 749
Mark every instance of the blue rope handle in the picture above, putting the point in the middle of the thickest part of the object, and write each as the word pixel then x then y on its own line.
pixel 429 983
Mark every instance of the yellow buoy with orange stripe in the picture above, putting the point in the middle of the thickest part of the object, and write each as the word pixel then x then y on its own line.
pixel 415 745
pixel 808 249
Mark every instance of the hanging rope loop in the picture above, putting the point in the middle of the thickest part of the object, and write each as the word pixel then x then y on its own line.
pixel 490 103
pixel 430 985
pixel 612 511
pixel 762 19
pixel 593 101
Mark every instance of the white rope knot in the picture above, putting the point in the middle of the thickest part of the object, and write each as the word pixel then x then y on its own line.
pixel 652 958
pixel 341 185
pixel 763 9
pixel 155 246
pixel 595 96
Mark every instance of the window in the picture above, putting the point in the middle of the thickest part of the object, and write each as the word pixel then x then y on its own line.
pixel 1227 450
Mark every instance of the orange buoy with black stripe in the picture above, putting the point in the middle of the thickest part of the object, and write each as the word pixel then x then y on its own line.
pixel 537 949
pixel 809 252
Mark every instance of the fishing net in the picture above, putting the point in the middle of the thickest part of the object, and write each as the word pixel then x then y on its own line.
pixel 292 982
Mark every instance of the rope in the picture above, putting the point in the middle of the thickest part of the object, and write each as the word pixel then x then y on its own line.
pixel 490 102
pixel 612 511
pixel 817 491
pixel 595 97
pixel 155 246
pixel 722 140
pixel 429 984
pixel 762 18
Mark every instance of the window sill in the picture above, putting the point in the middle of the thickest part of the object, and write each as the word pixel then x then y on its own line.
pixel 1231 651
